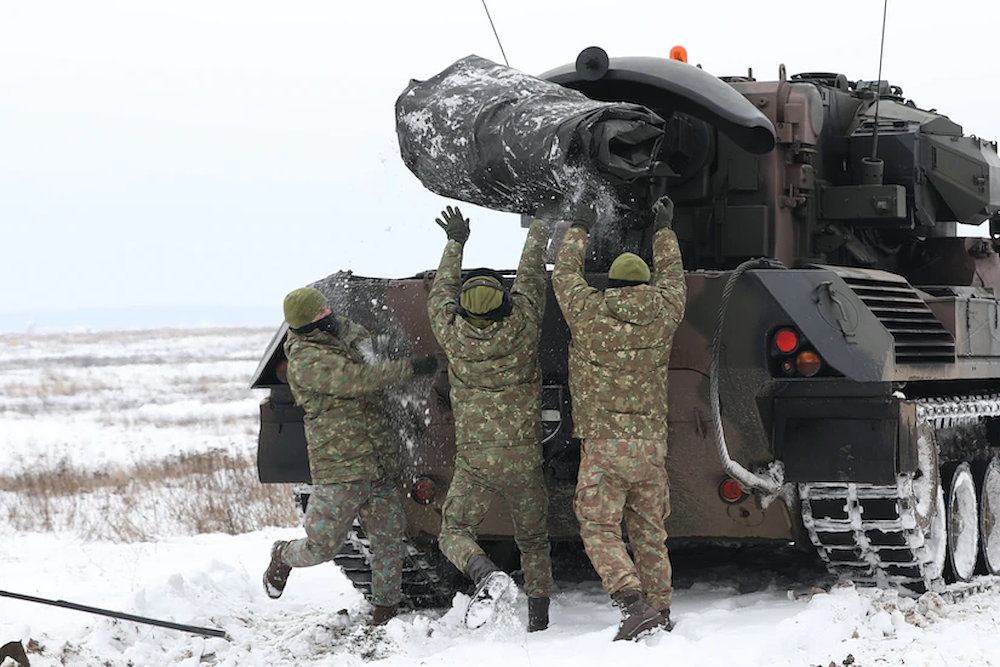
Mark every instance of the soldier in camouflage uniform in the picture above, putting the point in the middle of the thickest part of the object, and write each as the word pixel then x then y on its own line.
pixel 618 358
pixel 491 338
pixel 349 455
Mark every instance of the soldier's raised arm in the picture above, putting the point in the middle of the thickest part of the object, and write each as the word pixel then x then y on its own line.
pixel 668 267
pixel 441 306
pixel 568 283
pixel 529 286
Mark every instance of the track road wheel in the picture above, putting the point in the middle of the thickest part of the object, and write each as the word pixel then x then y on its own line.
pixel 928 498
pixel 935 545
pixel 987 477
pixel 962 509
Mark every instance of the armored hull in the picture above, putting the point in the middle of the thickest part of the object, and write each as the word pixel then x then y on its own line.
pixel 836 380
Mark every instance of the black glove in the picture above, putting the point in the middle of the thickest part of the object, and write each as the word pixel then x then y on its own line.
pixel 454 225
pixel 583 216
pixel 663 214
pixel 425 364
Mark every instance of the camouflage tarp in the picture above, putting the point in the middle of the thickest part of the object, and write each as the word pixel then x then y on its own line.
pixel 490 135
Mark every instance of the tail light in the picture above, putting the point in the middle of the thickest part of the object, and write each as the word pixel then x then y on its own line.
pixel 792 356
pixel 808 363
pixel 424 490
pixel 786 340
pixel 730 491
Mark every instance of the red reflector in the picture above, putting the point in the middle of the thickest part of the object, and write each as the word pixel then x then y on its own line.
pixel 786 340
pixel 730 491
pixel 424 490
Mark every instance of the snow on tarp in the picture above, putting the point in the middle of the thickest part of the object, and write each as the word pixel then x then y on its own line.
pixel 496 137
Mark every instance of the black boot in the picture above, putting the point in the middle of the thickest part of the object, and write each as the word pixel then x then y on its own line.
pixel 538 614
pixel 637 616
pixel 276 575
pixel 668 625
pixel 479 567
pixel 492 586
pixel 383 614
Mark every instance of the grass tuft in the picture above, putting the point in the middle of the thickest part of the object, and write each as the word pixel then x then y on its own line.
pixel 202 492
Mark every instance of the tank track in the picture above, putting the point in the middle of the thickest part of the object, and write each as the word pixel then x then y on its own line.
pixel 878 534
pixel 426 580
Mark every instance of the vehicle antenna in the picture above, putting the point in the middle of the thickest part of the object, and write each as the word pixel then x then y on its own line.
pixel 872 167
pixel 495 34
pixel 878 83
pixel 881 51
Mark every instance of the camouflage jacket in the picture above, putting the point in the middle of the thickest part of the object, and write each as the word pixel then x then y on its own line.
pixel 621 342
pixel 496 380
pixel 338 389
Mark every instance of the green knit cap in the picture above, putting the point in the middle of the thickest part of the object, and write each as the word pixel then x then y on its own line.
pixel 629 266
pixel 482 298
pixel 302 305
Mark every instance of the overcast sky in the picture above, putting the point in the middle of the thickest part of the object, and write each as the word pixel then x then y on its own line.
pixel 214 153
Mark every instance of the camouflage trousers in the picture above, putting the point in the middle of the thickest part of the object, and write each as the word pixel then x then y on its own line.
pixel 481 477
pixel 626 479
pixel 331 511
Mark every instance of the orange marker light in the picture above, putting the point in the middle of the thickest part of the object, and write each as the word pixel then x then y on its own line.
pixel 808 363
pixel 679 53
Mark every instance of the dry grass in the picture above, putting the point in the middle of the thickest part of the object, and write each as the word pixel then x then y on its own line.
pixel 161 387
pixel 52 383
pixel 212 492
pixel 55 383
pixel 231 423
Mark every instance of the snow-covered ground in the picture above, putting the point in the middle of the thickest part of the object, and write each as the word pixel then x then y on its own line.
pixel 99 400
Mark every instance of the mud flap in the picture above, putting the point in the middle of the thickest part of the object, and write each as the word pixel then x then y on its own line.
pixel 281 451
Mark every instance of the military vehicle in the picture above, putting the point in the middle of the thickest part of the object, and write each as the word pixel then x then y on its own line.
pixel 836 380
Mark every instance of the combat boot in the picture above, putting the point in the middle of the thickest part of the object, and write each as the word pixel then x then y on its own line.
pixel 668 625
pixel 276 574
pixel 383 614
pixel 493 587
pixel 538 614
pixel 638 617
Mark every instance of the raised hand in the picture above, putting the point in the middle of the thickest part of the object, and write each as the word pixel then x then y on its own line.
pixel 663 213
pixel 454 225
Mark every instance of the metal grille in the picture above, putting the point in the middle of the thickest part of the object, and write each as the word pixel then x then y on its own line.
pixel 918 334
